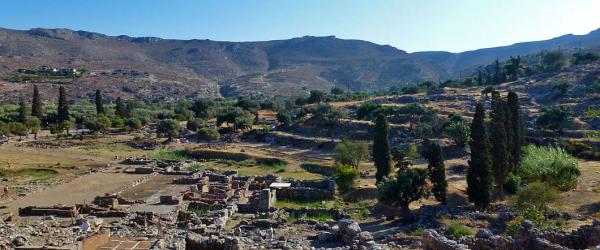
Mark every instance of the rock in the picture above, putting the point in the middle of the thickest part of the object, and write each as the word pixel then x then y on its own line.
pixel 484 234
pixel 527 224
pixel 19 241
pixel 324 236
pixel 364 237
pixel 348 226
pixel 432 240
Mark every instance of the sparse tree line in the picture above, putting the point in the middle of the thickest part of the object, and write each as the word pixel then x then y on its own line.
pixel 499 162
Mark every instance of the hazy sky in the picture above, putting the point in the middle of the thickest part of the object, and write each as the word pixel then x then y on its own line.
pixel 452 25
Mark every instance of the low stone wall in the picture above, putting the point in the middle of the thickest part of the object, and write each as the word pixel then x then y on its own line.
pixel 308 190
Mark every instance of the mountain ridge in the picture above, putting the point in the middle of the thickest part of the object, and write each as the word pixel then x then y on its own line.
pixel 206 68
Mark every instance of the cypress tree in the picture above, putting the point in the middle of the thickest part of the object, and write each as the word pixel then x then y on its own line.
pixel 509 135
pixel 500 150
pixel 436 170
pixel 381 148
pixel 22 110
pixel 63 105
pixel 121 109
pixel 36 104
pixel 479 176
pixel 512 101
pixel 99 103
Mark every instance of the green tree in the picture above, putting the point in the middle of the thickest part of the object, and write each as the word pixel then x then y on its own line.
pixel 248 104
pixel 203 109
pixel 63 106
pixel 17 128
pixel 97 123
pixel 583 58
pixel 99 102
pixel 351 153
pixel 500 152
pixel 458 131
pixel 316 96
pixel 436 170
pixel 169 128
pixel 555 118
pixel 33 124
pixel 401 156
pixel 37 109
pixel 237 117
pixel 479 176
pixel 337 91
pixel 345 175
pixel 381 148
pixel 553 61
pixel 194 124
pixel 133 123
pixel 561 88
pixel 283 118
pixel 513 67
pixel 405 187
pixel 22 110
pixel 208 134
pixel 121 109
pixel 512 101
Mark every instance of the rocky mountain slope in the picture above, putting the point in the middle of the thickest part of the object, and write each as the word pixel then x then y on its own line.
pixel 205 68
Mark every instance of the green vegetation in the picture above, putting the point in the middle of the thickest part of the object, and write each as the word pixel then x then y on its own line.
pixel 405 187
pixel 281 203
pixel 317 168
pixel 381 148
pixel 479 176
pixel 351 153
pixel 419 231
pixel 208 134
pixel 555 118
pixel 169 155
pixel 37 173
pixel 532 203
pixel 169 128
pixel 456 230
pixel 320 216
pixel 345 175
pixel 457 130
pixel 436 170
pixel 552 165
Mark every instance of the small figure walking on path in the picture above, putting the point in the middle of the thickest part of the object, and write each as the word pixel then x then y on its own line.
pixel 6 192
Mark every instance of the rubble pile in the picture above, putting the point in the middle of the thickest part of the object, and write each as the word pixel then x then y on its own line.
pixel 528 237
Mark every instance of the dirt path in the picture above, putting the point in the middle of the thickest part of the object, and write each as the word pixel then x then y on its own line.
pixel 81 189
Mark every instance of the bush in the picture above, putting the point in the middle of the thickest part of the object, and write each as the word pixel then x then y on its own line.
pixel 532 203
pixel 133 123
pixel 554 118
pixel 512 184
pixel 345 176
pixel 459 132
pixel 351 153
pixel 317 168
pixel 457 230
pixel 194 124
pixel 549 164
pixel 208 134
pixel 582 149
pixel 536 195
pixel 284 118
pixel 407 186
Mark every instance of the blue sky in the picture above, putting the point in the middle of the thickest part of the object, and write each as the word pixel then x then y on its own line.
pixel 452 25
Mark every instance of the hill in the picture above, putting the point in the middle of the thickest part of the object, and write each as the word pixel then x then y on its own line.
pixel 166 69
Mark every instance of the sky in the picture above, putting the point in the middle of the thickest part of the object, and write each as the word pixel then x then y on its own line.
pixel 419 25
